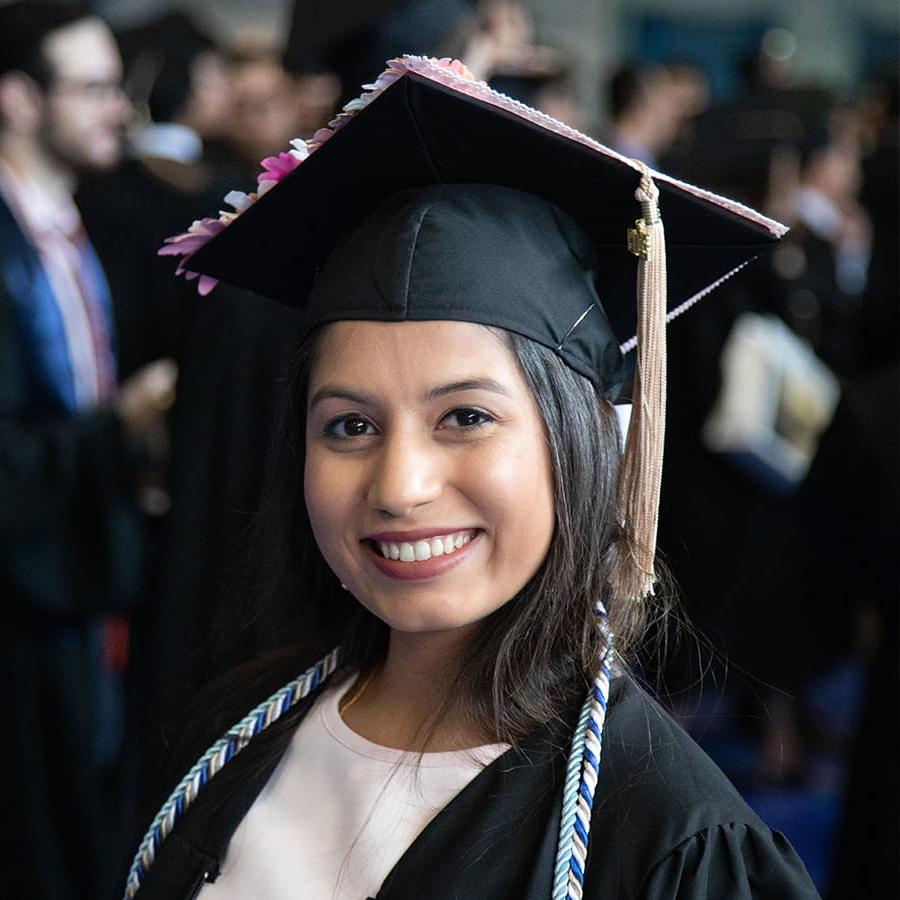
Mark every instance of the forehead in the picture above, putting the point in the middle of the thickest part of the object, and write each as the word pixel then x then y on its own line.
pixel 413 353
pixel 83 51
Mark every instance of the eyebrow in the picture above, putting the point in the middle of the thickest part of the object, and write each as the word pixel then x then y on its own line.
pixel 335 392
pixel 470 384
pixel 330 392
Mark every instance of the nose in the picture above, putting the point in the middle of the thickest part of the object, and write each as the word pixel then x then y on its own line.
pixel 407 473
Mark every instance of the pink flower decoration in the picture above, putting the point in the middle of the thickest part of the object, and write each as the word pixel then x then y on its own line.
pixel 206 284
pixel 337 122
pixel 456 66
pixel 300 149
pixel 189 242
pixel 319 138
pixel 384 80
pixel 277 167
pixel 201 232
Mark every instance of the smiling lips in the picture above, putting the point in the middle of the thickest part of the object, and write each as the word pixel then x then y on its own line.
pixel 419 551
pixel 422 555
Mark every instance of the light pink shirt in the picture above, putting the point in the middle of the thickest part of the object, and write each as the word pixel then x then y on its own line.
pixel 338 813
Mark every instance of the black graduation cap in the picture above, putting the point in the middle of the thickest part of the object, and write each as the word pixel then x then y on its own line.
pixel 421 132
pixel 434 197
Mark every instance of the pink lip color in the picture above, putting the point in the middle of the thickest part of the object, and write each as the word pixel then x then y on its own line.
pixel 426 568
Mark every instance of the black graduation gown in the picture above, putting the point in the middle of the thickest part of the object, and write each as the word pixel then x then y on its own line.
pixel 71 550
pixel 666 822
pixel 233 351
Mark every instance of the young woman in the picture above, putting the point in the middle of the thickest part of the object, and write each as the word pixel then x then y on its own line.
pixel 459 512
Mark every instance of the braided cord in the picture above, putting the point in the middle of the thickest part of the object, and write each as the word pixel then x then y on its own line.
pixel 215 758
pixel 582 772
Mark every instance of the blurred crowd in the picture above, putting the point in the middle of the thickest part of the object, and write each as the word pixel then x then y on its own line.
pixel 135 416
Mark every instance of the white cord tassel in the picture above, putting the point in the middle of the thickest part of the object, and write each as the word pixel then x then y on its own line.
pixel 640 478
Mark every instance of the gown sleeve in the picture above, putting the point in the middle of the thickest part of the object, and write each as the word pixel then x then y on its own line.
pixel 730 862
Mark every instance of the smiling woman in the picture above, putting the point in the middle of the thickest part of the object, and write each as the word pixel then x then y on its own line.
pixel 482 550
pixel 445 451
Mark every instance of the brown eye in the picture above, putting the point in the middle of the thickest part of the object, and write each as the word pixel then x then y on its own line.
pixel 349 427
pixel 466 418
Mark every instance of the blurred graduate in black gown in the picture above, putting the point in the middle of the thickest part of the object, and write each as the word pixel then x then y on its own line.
pixel 230 357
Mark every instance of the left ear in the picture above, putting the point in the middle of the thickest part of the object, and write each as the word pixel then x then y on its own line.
pixel 21 103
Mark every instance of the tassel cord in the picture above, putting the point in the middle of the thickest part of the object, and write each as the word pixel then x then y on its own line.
pixel 641 474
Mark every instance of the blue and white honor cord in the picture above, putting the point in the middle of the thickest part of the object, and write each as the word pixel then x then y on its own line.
pixel 216 757
pixel 578 793
pixel 582 772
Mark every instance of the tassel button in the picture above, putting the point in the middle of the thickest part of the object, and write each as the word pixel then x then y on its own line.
pixel 639 239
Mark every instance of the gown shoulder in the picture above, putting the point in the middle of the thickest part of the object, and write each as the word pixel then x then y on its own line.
pixel 735 861
pixel 667 823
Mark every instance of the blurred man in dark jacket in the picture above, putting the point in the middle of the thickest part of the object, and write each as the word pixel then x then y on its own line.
pixel 70 540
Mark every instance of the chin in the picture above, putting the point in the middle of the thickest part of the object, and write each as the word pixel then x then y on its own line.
pixel 426 615
pixel 415 621
pixel 104 155
pixel 429 626
pixel 106 161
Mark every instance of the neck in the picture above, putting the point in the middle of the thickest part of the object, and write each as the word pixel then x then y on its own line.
pixel 398 704
pixel 30 161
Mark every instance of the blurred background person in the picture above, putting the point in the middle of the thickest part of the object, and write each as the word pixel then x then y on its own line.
pixel 689 91
pixel 359 38
pixel 826 261
pixel 495 38
pixel 856 479
pixel 71 438
pixel 647 110
pixel 176 79
pixel 180 101
pixel 878 195
pixel 499 45
pixel 200 112
pixel 269 107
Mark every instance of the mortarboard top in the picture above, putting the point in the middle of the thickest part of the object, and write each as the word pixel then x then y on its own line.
pixel 431 125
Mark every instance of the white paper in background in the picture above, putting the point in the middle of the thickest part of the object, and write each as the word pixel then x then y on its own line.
pixel 777 398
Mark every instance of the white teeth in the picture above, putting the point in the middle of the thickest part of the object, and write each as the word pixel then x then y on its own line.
pixel 423 550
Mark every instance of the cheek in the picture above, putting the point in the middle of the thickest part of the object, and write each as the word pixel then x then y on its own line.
pixel 333 490
pixel 518 489
pixel 322 499
pixel 75 140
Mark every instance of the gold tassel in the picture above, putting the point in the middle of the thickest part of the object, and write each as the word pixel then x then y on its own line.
pixel 640 478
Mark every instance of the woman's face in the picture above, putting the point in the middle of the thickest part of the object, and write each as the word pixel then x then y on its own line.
pixel 428 480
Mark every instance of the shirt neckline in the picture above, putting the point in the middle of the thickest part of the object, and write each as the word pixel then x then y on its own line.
pixel 340 731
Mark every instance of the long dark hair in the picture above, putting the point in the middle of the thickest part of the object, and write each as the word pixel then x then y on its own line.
pixel 532 657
